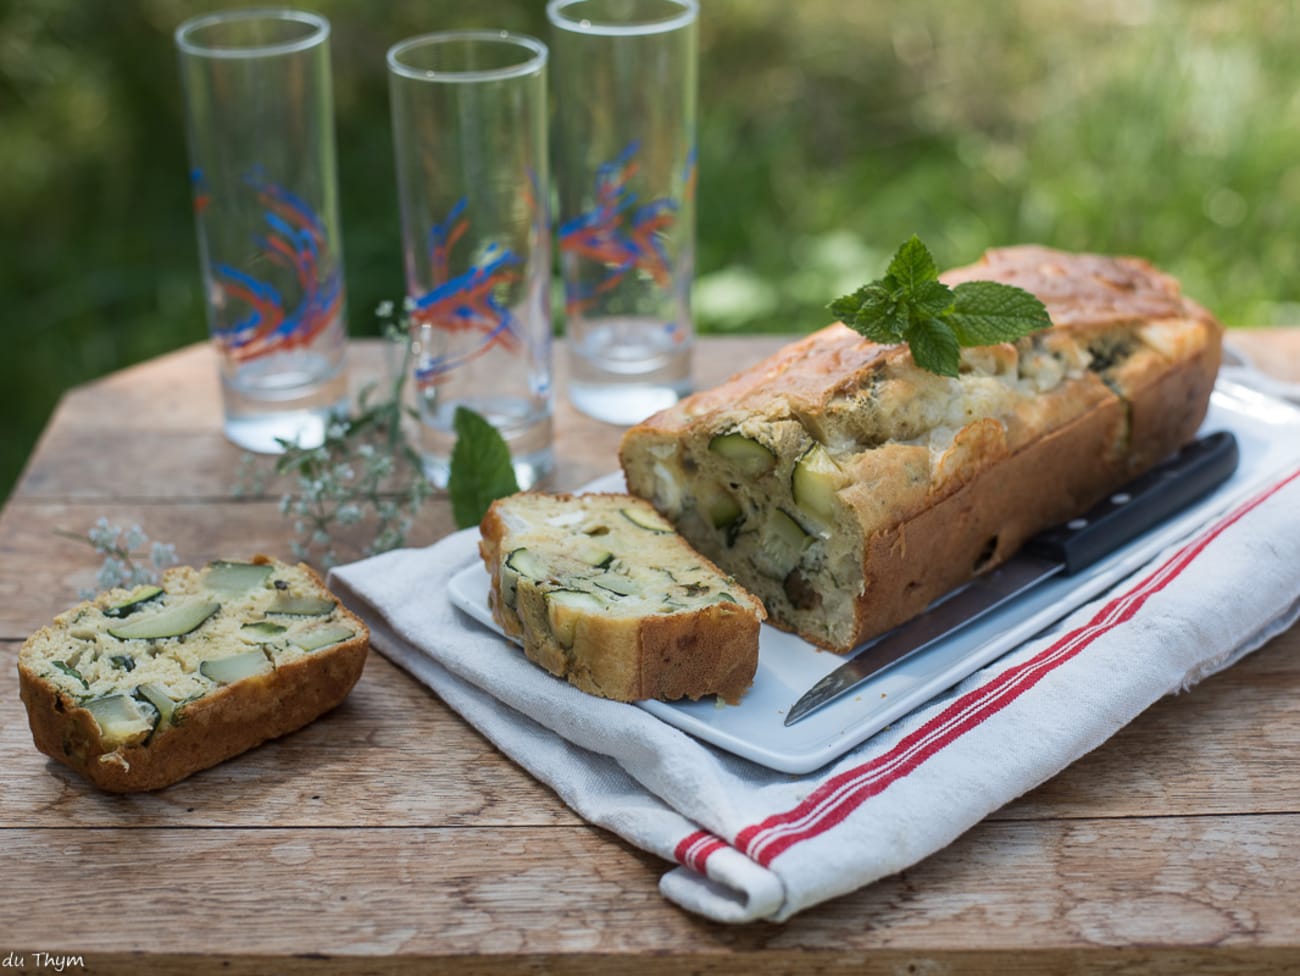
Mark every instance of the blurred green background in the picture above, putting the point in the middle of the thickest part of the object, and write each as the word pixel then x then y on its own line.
pixel 829 132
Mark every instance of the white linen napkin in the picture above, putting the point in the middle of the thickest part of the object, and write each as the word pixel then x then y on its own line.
pixel 750 843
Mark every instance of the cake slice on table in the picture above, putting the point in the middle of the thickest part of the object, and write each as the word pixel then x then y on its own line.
pixel 142 687
pixel 602 591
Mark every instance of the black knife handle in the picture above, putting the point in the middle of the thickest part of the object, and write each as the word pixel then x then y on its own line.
pixel 1168 488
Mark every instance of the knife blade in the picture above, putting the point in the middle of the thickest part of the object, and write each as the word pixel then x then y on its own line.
pixel 1066 549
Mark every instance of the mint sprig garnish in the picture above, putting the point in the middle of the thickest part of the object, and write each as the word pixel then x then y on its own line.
pixel 481 471
pixel 910 304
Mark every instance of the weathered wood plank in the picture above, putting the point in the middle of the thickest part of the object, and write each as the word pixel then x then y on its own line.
pixel 1275 351
pixel 395 755
pixel 46 572
pixel 391 755
pixel 1003 961
pixel 1186 754
pixel 1064 888
pixel 390 837
pixel 154 431
pixel 1206 961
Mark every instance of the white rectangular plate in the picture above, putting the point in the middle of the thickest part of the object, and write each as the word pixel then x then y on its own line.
pixel 1268 434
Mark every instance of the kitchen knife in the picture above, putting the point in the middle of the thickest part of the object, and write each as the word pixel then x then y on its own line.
pixel 1066 549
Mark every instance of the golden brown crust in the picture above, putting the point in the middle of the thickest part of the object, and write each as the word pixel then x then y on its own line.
pixel 1089 291
pixel 986 519
pixel 805 374
pixel 666 656
pixel 220 725
pixel 938 478
pixel 1082 293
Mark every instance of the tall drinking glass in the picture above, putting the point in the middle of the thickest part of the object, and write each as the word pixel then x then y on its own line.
pixel 260 119
pixel 625 90
pixel 469 129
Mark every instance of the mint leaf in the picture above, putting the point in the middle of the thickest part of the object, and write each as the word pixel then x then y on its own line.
pixel 846 309
pixel 986 312
pixel 912 266
pixel 932 299
pixel 874 311
pixel 910 304
pixel 481 471
pixel 934 347
pixel 881 316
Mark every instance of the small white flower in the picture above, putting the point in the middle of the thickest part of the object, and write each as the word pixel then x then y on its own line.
pixel 112 573
pixel 384 309
pixel 135 538
pixel 162 555
pixel 103 536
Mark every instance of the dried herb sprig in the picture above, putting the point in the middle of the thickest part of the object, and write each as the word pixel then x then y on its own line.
pixel 130 559
pixel 364 479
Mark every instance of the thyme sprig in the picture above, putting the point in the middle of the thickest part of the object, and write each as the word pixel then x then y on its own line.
pixel 364 480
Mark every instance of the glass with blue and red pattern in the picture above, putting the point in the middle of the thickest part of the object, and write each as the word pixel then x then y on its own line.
pixel 260 121
pixel 470 139
pixel 625 91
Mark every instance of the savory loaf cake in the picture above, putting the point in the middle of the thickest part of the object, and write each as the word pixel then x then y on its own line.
pixel 848 489
pixel 139 688
pixel 602 591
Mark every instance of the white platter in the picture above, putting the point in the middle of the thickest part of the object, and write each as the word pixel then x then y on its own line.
pixel 1268 435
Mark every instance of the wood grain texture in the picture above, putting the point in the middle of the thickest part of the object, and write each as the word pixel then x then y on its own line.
pixel 391 755
pixel 394 755
pixel 1072 887
pixel 53 569
pixel 153 432
pixel 885 961
pixel 1275 351
pixel 390 837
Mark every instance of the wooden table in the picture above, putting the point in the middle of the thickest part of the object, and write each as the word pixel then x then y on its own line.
pixel 390 837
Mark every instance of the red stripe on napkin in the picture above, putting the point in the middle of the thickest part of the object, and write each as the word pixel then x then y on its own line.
pixel 840 795
pixel 695 848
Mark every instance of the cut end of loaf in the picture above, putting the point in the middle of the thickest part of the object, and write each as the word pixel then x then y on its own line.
pixel 602 591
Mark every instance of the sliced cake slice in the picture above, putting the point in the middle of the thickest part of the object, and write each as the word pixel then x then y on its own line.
pixel 600 589
pixel 141 687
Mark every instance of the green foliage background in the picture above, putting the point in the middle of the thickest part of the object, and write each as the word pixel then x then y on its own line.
pixel 829 131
